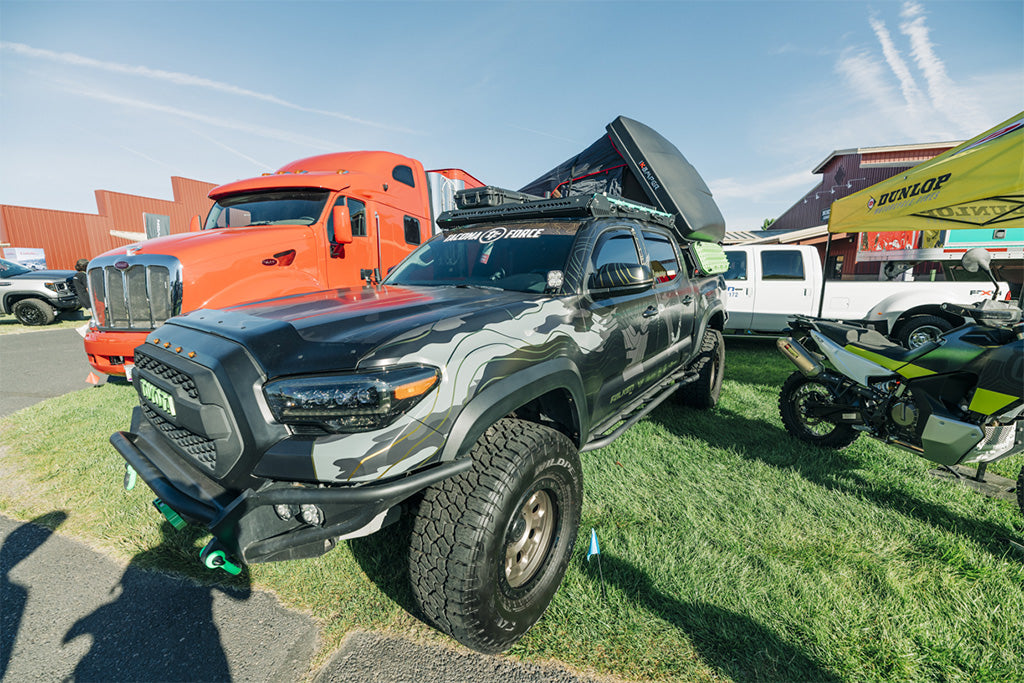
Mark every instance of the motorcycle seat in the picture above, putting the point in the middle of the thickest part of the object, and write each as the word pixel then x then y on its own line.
pixel 871 340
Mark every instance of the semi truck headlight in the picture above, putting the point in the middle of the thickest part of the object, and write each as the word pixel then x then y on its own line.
pixel 351 402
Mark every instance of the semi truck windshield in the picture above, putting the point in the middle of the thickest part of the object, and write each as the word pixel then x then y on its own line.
pixel 274 207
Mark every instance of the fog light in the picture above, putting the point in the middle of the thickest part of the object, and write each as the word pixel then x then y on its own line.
pixel 312 515
pixel 285 512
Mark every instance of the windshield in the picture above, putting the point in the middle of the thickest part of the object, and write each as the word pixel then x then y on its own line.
pixel 514 257
pixel 267 207
pixel 10 269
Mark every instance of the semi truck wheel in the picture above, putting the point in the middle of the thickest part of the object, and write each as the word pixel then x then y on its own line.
pixel 489 547
pixel 710 366
pixel 33 312
pixel 798 394
pixel 918 330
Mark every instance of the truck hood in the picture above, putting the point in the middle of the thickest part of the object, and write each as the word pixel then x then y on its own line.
pixel 212 245
pixel 43 275
pixel 336 329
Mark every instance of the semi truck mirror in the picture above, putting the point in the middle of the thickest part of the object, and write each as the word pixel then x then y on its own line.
pixel 342 225
pixel 195 225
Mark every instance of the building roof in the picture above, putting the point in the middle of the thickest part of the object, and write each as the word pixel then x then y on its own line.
pixel 897 155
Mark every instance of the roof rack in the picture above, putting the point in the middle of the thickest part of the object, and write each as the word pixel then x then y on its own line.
pixel 579 206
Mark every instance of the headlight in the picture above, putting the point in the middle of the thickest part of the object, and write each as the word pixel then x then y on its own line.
pixel 56 286
pixel 352 402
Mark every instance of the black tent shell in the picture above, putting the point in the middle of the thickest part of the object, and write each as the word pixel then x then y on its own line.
pixel 635 162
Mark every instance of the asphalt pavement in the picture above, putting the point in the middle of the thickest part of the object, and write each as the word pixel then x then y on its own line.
pixel 68 612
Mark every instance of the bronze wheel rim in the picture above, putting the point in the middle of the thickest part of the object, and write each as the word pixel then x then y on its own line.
pixel 529 539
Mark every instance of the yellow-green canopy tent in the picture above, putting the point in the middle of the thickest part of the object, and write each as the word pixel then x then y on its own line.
pixel 979 184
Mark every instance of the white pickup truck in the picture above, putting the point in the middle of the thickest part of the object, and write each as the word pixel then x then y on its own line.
pixel 769 284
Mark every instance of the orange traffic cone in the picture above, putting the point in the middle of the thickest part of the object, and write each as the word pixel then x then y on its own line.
pixel 93 379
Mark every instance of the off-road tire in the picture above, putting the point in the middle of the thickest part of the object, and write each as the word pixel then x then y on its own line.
pixel 920 329
pixel 797 389
pixel 710 366
pixel 465 526
pixel 33 312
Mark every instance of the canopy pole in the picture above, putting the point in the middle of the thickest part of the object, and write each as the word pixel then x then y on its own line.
pixel 824 274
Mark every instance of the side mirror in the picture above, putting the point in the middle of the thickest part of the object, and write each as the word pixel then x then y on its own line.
pixel 342 225
pixel 980 259
pixel 195 225
pixel 977 259
pixel 621 278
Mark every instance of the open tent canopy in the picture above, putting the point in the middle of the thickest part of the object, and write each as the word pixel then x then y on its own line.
pixel 979 184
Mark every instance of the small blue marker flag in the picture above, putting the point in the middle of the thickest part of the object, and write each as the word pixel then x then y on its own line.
pixel 595 549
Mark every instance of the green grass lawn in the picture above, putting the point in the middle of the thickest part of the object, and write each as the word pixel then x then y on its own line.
pixel 729 550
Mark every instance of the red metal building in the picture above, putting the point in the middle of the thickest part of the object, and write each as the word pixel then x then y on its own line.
pixel 67 236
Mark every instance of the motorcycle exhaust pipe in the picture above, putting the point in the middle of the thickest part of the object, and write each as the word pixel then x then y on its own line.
pixel 799 356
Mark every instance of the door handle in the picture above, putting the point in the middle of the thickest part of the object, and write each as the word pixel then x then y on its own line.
pixel 650 312
pixel 687 300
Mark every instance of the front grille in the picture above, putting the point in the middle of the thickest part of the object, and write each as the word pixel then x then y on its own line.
pixel 155 367
pixel 137 296
pixel 199 447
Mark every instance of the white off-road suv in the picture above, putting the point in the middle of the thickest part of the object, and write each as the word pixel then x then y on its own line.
pixel 36 297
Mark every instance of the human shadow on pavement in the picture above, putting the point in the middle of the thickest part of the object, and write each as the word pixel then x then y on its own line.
pixel 19 545
pixel 158 627
pixel 736 646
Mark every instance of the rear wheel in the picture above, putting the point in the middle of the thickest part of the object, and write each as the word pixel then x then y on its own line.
pixel 489 547
pixel 800 394
pixel 710 366
pixel 918 330
pixel 33 312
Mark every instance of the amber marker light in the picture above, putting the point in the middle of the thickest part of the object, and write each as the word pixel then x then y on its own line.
pixel 415 388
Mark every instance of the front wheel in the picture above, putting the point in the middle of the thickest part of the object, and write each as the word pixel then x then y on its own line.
pixel 489 547
pixel 33 312
pixel 800 394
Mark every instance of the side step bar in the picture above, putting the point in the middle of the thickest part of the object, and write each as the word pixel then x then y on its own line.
pixel 641 409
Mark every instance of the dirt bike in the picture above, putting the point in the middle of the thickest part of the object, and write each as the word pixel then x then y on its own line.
pixel 958 399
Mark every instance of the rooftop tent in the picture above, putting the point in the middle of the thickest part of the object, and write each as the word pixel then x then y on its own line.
pixel 979 184
pixel 635 162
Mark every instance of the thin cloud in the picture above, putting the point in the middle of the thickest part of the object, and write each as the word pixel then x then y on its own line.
pixel 232 124
pixel 943 92
pixel 908 86
pixel 939 110
pixel 178 78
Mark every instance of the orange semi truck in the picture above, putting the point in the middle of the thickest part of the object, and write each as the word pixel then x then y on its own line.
pixel 318 223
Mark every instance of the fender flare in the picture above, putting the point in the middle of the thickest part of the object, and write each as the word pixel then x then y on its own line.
pixel 502 397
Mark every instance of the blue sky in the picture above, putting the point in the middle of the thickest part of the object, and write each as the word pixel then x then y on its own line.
pixel 120 96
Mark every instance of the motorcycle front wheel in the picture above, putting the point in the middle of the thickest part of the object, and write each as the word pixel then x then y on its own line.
pixel 799 394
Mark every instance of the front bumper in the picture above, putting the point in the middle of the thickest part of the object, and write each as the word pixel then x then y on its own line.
pixel 109 351
pixel 246 523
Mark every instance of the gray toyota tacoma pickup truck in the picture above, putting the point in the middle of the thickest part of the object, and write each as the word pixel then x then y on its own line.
pixel 460 390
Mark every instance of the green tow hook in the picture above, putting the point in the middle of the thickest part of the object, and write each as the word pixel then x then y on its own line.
pixel 215 558
pixel 130 477
pixel 173 517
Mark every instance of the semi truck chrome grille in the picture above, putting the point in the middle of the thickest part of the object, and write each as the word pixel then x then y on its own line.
pixel 203 450
pixel 134 296
pixel 176 377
